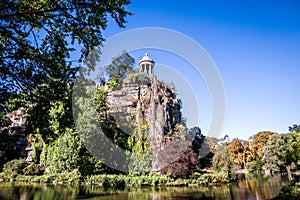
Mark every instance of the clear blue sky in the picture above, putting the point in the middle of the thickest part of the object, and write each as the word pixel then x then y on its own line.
pixel 256 47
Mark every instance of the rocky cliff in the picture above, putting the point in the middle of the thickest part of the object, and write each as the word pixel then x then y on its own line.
pixel 150 101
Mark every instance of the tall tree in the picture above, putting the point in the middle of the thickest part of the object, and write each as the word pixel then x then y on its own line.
pixel 236 152
pixel 208 148
pixel 36 42
pixel 271 154
pixel 281 151
pixel 259 141
pixel 222 162
pixel 247 153
pixel 4 139
pixel 37 38
pixel 120 65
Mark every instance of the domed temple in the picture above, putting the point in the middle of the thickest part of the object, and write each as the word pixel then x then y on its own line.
pixel 146 65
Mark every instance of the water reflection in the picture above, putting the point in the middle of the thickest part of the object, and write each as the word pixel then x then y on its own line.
pixel 250 187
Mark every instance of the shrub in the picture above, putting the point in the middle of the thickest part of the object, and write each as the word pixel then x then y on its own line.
pixel 137 77
pixel 117 181
pixel 184 166
pixel 33 169
pixel 73 176
pixel 291 191
pixel 115 84
pixel 255 166
pixel 15 167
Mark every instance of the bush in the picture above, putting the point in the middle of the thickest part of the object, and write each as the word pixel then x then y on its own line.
pixel 116 181
pixel 184 166
pixel 214 178
pixel 119 181
pixel 15 167
pixel 291 191
pixel 33 169
pixel 115 84
pixel 255 166
pixel 137 77
pixel 71 177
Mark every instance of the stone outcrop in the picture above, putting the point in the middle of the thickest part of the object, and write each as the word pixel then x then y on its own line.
pixel 152 102
pixel 17 134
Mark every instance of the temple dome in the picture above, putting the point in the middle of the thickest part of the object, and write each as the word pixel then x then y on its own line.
pixel 146 58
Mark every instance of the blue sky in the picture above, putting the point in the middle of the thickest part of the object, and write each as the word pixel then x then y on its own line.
pixel 254 44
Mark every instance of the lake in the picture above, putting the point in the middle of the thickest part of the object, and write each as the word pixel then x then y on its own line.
pixel 249 187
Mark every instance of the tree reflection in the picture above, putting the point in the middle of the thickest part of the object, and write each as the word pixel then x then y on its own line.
pixel 249 187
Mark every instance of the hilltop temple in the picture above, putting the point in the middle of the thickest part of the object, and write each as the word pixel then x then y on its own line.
pixel 152 102
pixel 146 65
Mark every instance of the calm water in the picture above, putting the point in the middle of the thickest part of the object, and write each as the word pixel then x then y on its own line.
pixel 248 188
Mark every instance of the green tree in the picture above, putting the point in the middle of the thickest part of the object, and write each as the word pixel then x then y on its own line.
pixel 59 118
pixel 294 147
pixel 208 149
pixel 271 153
pixel 36 44
pixel 255 166
pixel 290 191
pixel 100 106
pixel 62 155
pixel 4 139
pixel 120 66
pixel 67 154
pixel 38 37
pixel 222 163
pixel 135 76
pixel 141 154
pixel 100 135
pixel 294 129
pixel 281 151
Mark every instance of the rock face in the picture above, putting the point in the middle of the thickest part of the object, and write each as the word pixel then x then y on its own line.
pixel 152 102
pixel 22 145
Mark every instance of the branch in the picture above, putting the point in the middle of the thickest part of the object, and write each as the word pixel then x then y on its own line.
pixel 36 43
pixel 20 13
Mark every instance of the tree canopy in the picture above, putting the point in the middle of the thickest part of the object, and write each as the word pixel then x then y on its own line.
pixel 37 40
pixel 295 128
pixel 120 65
pixel 222 162
pixel 236 152
pixel 259 141
pixel 43 44
pixel 281 151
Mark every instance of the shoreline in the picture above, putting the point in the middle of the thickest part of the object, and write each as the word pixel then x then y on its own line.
pixel 117 181
pixel 121 180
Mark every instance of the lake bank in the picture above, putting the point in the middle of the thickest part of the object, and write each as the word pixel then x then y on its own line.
pixel 250 187
pixel 120 180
